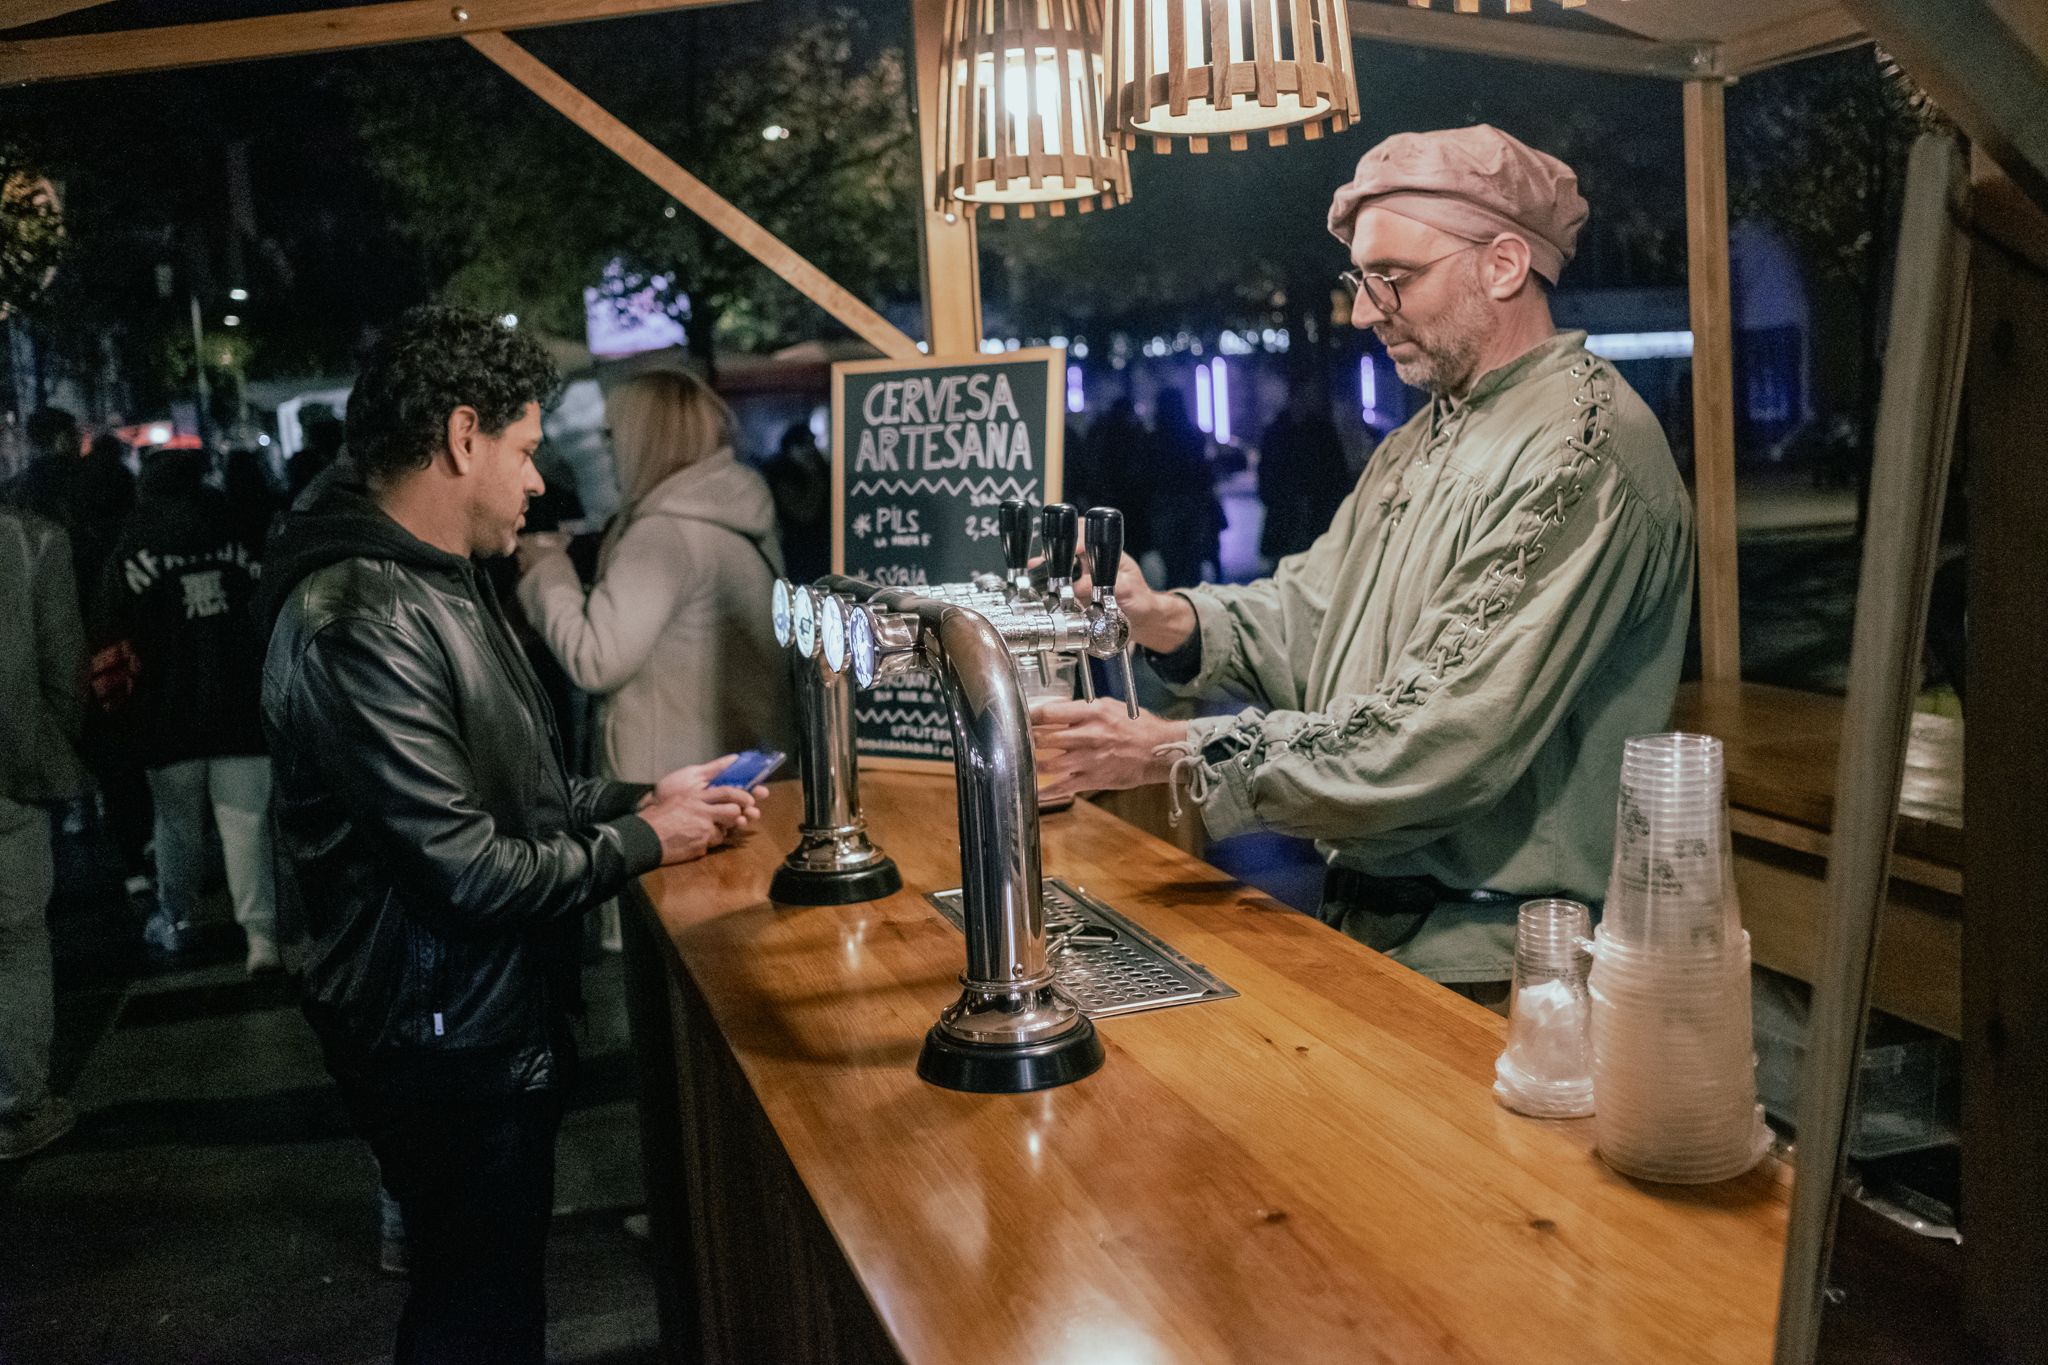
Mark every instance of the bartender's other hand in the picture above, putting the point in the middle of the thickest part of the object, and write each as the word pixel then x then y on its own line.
pixel 1159 620
pixel 1093 746
pixel 694 823
pixel 1131 587
pixel 535 546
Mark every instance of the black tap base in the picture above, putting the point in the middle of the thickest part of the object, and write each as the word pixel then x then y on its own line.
pixel 1010 1069
pixel 807 886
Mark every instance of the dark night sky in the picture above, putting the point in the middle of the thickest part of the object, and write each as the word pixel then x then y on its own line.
pixel 323 210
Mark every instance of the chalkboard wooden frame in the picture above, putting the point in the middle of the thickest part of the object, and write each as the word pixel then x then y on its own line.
pixel 1051 461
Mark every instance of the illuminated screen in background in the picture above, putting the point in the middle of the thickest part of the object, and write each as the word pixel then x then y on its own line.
pixel 615 325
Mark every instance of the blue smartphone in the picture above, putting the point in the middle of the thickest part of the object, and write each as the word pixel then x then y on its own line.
pixel 750 769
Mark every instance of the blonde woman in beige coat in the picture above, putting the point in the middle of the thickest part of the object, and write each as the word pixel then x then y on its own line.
pixel 674 636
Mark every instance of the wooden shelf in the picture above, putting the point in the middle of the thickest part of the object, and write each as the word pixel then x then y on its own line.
pixel 1781 747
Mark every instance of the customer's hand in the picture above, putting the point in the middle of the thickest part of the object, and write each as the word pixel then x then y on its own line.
pixel 1092 746
pixel 692 824
pixel 695 777
pixel 535 546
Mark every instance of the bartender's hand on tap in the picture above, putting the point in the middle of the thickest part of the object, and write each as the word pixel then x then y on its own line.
pixel 1161 621
pixel 692 816
pixel 1097 746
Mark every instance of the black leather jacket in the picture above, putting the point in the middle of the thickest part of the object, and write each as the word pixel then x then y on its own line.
pixel 443 855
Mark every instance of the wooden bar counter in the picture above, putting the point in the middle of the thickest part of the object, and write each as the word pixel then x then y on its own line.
pixel 1316 1170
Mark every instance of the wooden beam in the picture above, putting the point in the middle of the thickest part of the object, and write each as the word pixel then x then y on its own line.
pixel 1989 78
pixel 1530 41
pixel 1916 427
pixel 644 157
pixel 946 241
pixel 292 35
pixel 1810 35
pixel 1713 378
pixel 22 13
pixel 2005 802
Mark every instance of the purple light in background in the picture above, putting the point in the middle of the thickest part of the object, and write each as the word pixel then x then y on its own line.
pixel 1076 397
pixel 1221 385
pixel 1368 389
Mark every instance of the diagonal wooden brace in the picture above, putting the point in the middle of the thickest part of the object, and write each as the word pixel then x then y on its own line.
pixel 644 157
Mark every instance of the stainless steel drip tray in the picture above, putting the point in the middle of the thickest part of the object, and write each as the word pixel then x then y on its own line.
pixel 1133 971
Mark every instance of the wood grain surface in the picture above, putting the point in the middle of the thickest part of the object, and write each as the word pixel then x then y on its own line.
pixel 1781 747
pixel 1315 1171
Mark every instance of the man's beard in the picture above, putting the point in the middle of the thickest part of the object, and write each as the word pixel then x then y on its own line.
pixel 1449 343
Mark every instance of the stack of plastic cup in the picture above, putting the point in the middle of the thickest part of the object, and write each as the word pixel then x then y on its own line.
pixel 1547 1069
pixel 1673 1062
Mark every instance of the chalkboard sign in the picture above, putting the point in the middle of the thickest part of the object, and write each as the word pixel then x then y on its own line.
pixel 922 451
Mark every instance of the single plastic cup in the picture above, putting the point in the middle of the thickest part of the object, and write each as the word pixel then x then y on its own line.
pixel 1039 690
pixel 1672 880
pixel 1547 1069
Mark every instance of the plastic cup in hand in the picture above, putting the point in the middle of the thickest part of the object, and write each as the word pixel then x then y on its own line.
pixel 1547 1069
pixel 1040 690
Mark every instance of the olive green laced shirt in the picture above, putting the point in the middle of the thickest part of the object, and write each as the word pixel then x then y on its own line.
pixel 1442 683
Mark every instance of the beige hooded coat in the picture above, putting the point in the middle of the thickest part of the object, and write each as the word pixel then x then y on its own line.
pixel 675 637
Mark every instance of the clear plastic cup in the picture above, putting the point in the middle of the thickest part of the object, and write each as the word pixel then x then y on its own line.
pixel 1040 690
pixel 1672 880
pixel 1546 1070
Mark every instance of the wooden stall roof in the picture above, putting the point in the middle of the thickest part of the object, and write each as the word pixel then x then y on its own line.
pixel 1673 38
pixel 1750 33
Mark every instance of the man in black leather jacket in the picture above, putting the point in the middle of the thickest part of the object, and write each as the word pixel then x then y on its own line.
pixel 443 855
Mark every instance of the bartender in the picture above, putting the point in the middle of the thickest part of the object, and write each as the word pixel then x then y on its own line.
pixel 1440 686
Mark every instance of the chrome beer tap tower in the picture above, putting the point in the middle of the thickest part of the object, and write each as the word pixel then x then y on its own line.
pixel 1009 1030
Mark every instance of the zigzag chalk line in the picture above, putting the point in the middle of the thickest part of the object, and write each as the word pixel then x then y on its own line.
pixel 1016 488
pixel 901 715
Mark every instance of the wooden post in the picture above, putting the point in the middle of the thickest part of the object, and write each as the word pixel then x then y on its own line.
pixel 2005 794
pixel 644 157
pixel 1713 379
pixel 1916 424
pixel 946 241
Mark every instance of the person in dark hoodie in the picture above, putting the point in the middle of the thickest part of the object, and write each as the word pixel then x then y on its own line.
pixel 443 856
pixel 177 592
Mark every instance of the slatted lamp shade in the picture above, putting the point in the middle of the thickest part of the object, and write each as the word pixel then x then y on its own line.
pixel 1020 115
pixel 1510 6
pixel 1200 69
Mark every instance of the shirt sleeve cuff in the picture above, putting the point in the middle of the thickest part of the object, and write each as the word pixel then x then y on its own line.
pixel 623 798
pixel 550 573
pixel 1226 806
pixel 1195 667
pixel 641 844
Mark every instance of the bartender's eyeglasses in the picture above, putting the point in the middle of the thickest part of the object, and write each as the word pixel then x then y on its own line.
pixel 1385 290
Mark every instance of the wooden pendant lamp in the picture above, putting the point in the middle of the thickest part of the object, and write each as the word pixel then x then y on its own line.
pixel 1201 69
pixel 1507 6
pixel 1021 122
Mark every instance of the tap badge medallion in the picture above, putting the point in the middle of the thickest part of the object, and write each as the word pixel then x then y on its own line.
pixel 784 627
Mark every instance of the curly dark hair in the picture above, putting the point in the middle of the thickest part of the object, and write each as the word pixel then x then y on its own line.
pixel 432 361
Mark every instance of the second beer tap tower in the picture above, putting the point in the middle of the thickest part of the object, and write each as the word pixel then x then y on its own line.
pixel 1009 1030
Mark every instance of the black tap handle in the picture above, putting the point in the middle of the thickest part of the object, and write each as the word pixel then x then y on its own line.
pixel 1013 519
pixel 1105 530
pixel 1060 524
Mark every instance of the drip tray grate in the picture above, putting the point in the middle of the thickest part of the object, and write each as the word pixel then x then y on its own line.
pixel 1106 975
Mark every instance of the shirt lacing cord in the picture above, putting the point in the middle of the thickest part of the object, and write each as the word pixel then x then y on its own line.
pixel 1502 586
pixel 1188 763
